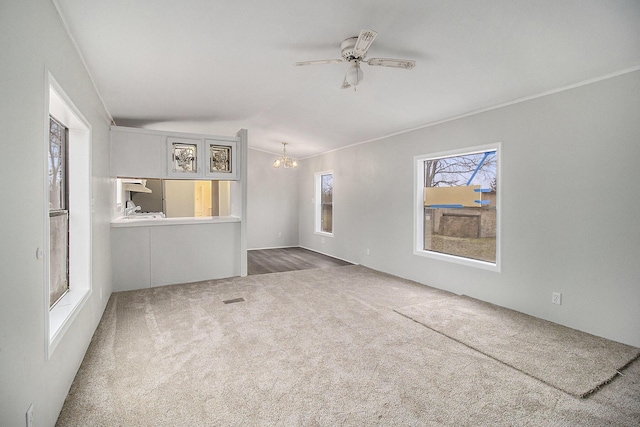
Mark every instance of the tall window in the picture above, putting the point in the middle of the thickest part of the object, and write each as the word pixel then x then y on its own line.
pixel 324 202
pixel 58 212
pixel 457 206
pixel 67 176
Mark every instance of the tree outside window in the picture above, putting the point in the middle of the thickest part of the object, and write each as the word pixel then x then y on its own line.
pixel 324 202
pixel 327 203
pixel 58 213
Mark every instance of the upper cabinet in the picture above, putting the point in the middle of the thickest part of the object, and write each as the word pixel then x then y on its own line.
pixel 184 157
pixel 156 154
pixel 136 154
pixel 221 159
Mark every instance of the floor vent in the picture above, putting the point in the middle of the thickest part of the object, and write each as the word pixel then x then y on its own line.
pixel 231 301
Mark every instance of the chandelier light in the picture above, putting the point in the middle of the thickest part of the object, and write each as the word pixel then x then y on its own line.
pixel 284 160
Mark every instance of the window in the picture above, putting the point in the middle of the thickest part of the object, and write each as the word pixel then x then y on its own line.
pixel 457 206
pixel 324 202
pixel 69 191
pixel 58 213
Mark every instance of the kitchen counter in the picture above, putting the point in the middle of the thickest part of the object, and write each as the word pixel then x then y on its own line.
pixel 145 222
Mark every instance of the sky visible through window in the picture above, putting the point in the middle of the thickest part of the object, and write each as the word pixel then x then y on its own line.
pixel 458 170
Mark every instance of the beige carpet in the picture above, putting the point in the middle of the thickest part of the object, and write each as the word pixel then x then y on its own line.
pixel 570 360
pixel 308 348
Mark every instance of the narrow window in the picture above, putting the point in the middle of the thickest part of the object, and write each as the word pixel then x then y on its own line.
pixel 457 205
pixel 324 202
pixel 58 212
pixel 67 213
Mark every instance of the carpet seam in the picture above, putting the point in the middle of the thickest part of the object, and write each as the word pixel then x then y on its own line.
pixel 581 395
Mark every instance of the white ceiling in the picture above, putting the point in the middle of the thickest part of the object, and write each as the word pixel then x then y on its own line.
pixel 217 66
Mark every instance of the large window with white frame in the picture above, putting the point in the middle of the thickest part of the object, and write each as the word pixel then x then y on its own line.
pixel 457 206
pixel 324 203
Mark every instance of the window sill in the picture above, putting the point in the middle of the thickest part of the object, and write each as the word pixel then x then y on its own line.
pixel 324 233
pixel 485 265
pixel 63 313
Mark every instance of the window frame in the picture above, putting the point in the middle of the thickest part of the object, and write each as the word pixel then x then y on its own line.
pixel 62 195
pixel 64 160
pixel 318 203
pixel 79 198
pixel 418 232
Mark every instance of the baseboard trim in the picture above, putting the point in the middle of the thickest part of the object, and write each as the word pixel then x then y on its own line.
pixel 274 247
pixel 329 255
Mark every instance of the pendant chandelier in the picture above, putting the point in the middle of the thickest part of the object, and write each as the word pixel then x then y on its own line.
pixel 284 160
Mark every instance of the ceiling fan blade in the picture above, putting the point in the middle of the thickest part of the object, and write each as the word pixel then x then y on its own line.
pixel 364 41
pixel 321 61
pixel 407 64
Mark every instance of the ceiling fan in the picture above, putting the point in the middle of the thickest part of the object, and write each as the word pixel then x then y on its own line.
pixel 354 51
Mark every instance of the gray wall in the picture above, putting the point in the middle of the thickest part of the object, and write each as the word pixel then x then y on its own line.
pixel 570 207
pixel 272 203
pixel 32 40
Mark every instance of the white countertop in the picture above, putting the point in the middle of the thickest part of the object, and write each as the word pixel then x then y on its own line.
pixel 145 222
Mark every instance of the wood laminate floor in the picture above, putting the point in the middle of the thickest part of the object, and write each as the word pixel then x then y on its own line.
pixel 261 261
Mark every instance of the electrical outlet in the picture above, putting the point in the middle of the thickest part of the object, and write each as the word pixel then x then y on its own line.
pixel 279 235
pixel 556 298
pixel 368 251
pixel 30 416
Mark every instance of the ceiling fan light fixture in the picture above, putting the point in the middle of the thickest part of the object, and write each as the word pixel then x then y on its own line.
pixel 354 74
pixel 353 50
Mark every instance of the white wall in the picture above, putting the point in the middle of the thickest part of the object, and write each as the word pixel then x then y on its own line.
pixel 272 199
pixel 32 41
pixel 570 206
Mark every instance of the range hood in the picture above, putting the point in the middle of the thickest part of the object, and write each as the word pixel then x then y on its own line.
pixel 138 187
